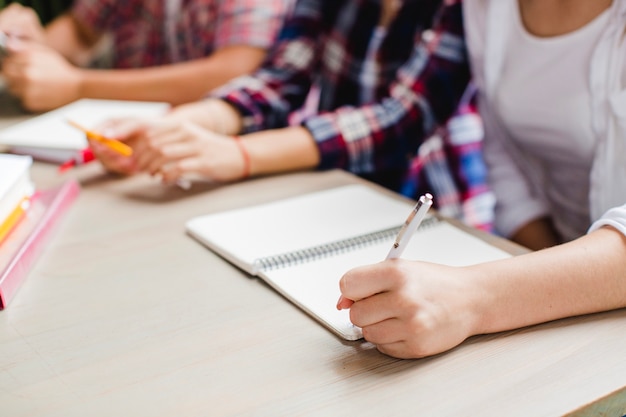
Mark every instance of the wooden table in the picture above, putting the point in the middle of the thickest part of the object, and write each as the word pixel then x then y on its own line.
pixel 126 315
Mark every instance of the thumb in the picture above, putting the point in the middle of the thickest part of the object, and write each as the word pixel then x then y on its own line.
pixel 121 129
pixel 363 282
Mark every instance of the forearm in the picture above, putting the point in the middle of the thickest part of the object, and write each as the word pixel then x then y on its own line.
pixel 281 150
pixel 580 277
pixel 177 83
pixel 212 114
pixel 66 36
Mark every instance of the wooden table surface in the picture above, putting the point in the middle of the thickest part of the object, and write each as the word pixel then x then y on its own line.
pixel 126 315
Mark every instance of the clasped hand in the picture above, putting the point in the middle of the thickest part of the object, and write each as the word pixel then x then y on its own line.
pixel 39 76
pixel 171 149
pixel 33 72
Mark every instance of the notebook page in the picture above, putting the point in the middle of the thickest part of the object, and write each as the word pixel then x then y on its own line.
pixel 314 286
pixel 247 234
pixel 12 169
pixel 15 183
pixel 51 130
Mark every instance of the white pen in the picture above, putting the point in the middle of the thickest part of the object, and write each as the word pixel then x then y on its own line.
pixel 410 226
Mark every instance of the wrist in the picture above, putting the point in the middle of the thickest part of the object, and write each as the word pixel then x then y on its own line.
pixel 81 82
pixel 479 301
pixel 245 158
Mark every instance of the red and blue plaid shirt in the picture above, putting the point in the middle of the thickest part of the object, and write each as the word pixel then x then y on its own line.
pixel 157 32
pixel 424 73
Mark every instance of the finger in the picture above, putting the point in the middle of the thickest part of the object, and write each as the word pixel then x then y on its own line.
pixel 111 160
pixel 150 155
pixel 163 127
pixel 171 153
pixel 344 303
pixel 99 148
pixel 397 350
pixel 12 18
pixel 365 281
pixel 385 332
pixel 153 134
pixel 374 309
pixel 16 44
pixel 173 172
pixel 164 158
pixel 122 129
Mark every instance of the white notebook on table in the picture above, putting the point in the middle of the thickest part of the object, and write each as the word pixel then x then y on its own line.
pixel 302 246
pixel 49 137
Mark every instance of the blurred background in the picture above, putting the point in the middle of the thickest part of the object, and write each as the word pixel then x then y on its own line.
pixel 47 9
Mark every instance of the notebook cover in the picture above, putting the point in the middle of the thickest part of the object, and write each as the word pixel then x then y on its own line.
pixel 28 240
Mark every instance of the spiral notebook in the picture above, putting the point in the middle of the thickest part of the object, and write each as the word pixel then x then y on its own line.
pixel 302 246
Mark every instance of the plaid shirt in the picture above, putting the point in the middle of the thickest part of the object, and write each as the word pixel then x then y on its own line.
pixel 423 74
pixel 157 32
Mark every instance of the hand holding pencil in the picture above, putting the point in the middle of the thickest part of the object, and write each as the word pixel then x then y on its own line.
pixel 112 144
pixel 115 155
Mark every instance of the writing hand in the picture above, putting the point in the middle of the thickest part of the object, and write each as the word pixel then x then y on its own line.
pixel 174 149
pixel 409 309
pixel 126 130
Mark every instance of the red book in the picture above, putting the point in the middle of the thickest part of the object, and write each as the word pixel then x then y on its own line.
pixel 28 240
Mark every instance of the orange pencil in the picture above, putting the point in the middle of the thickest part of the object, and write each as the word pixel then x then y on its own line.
pixel 14 218
pixel 113 144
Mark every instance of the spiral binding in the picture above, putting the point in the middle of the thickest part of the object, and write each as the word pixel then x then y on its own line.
pixel 313 253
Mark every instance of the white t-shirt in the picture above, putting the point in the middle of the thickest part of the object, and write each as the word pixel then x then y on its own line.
pixel 549 119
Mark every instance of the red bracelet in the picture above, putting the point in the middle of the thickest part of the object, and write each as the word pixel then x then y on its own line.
pixel 244 155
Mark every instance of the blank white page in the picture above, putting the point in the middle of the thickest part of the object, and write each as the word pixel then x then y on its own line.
pixel 12 169
pixel 247 234
pixel 51 130
pixel 314 286
pixel 15 183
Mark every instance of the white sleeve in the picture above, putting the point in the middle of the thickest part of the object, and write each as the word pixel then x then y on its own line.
pixel 615 217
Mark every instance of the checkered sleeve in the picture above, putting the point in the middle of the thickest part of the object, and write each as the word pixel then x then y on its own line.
pixel 266 98
pixel 100 14
pixel 249 22
pixel 424 95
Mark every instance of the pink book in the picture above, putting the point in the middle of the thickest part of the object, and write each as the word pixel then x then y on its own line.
pixel 28 240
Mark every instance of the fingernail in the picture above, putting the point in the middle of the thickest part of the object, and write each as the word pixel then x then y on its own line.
pixel 339 302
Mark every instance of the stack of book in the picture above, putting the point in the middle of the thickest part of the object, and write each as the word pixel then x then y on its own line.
pixel 27 218
pixel 16 190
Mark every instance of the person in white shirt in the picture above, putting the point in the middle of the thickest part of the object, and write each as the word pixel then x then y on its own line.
pixel 551 77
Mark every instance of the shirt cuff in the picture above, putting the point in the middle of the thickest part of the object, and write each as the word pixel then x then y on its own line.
pixel 249 121
pixel 328 139
pixel 615 217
